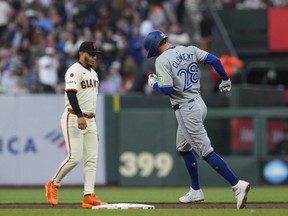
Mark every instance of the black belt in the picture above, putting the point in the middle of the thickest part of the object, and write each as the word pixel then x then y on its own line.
pixel 177 106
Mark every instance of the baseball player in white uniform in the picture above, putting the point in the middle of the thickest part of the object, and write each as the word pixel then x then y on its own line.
pixel 79 126
pixel 178 75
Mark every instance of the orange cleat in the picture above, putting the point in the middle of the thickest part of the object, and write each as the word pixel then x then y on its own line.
pixel 52 193
pixel 91 200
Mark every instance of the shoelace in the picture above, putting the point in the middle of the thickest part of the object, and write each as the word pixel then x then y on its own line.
pixel 187 194
pixel 237 192
pixel 94 197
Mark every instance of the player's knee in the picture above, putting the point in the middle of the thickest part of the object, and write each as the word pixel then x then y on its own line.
pixel 90 162
pixel 75 159
pixel 207 156
pixel 184 153
pixel 184 148
pixel 89 165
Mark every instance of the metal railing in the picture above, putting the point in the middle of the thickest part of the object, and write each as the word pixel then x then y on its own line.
pixel 222 30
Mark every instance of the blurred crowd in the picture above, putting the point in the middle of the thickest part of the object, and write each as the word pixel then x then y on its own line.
pixel 253 4
pixel 39 39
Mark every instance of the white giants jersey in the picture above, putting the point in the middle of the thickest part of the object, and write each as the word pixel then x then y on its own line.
pixel 85 82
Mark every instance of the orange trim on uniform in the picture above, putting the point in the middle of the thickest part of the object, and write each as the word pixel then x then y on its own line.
pixel 71 90
pixel 89 116
pixel 68 139
pixel 68 135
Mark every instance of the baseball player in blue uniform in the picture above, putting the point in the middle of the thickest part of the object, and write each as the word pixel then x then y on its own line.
pixel 178 75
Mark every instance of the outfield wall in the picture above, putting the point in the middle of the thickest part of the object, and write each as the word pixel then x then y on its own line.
pixel 137 141
pixel 141 134
pixel 31 142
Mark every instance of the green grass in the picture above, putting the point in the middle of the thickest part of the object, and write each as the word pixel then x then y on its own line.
pixel 142 195
pixel 164 212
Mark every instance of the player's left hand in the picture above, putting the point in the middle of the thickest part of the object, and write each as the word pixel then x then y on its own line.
pixel 82 124
pixel 225 85
pixel 152 79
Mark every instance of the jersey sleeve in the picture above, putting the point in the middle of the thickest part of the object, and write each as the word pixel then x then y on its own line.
pixel 72 80
pixel 163 72
pixel 200 54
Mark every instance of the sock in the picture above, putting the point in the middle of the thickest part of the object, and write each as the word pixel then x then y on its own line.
pixel 192 167
pixel 218 164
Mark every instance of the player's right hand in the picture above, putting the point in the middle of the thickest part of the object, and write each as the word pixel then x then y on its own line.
pixel 152 79
pixel 225 86
pixel 82 124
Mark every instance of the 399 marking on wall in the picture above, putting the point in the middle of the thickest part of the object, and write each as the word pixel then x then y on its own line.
pixel 144 163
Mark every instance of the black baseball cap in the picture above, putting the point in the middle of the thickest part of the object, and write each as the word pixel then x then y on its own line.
pixel 89 47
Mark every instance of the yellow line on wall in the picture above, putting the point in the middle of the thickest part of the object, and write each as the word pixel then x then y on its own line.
pixel 116 103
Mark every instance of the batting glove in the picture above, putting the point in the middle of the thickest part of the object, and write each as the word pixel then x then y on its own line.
pixel 152 79
pixel 225 85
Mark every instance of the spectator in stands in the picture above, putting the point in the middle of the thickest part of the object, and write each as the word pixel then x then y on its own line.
pixel 272 78
pixel 12 71
pixel 177 36
pixel 104 18
pixel 193 15
pixel 44 22
pixel 48 70
pixel 130 69
pixel 146 26
pixel 233 67
pixel 251 4
pixel 109 47
pixel 112 80
pixel 118 27
pixel 229 3
pixel 279 3
pixel 141 84
pixel 157 16
pixel 20 87
pixel 206 26
pixel 5 13
pixel 106 86
pixel 9 80
pixel 135 45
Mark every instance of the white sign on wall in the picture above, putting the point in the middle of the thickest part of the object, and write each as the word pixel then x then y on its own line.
pixel 31 142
